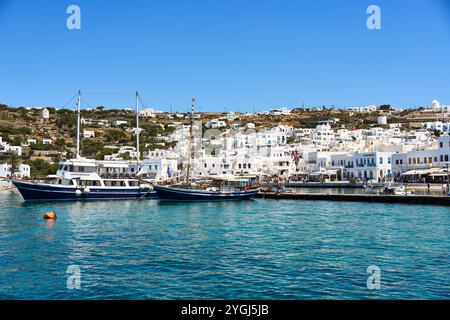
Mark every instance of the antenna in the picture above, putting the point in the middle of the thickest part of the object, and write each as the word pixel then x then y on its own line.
pixel 137 130
pixel 188 171
pixel 78 123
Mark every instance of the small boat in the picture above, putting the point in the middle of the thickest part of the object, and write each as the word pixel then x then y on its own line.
pixel 221 189
pixel 398 190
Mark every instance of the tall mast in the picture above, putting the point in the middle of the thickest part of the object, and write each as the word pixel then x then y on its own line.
pixel 78 123
pixel 191 133
pixel 137 130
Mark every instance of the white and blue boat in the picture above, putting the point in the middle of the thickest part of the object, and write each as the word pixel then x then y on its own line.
pixel 84 179
pixel 87 179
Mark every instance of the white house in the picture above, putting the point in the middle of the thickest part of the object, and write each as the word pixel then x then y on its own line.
pixel 159 169
pixel 438 125
pixel 6 148
pixel 423 159
pixel 119 123
pixel 45 113
pixel 215 123
pixel 149 112
pixel 23 171
pixel 88 134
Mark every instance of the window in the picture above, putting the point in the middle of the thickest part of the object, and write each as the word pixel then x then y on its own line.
pixel 381 160
pixel 441 144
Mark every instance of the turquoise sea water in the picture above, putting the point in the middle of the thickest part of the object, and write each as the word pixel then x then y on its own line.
pixel 259 249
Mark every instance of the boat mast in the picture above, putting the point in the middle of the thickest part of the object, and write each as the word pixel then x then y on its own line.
pixel 78 123
pixel 191 133
pixel 137 130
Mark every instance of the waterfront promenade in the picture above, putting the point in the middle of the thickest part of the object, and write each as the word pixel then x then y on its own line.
pixel 411 199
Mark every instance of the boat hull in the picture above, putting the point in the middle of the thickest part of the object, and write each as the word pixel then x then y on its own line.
pixel 31 191
pixel 175 194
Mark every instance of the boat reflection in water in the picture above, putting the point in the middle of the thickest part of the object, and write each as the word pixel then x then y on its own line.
pixel 221 188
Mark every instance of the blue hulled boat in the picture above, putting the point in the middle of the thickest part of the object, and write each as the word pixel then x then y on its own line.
pixel 222 189
pixel 32 191
pixel 84 179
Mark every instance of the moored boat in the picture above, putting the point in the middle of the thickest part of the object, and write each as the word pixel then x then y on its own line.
pixel 221 189
pixel 87 179
pixel 84 179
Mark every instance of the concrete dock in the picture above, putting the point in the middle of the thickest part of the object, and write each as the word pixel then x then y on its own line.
pixel 412 199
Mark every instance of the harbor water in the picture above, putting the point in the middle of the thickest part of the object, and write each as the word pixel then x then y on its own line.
pixel 257 249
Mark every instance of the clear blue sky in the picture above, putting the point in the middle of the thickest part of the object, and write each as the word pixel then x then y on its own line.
pixel 232 54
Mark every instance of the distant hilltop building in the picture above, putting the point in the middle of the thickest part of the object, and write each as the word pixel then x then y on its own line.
pixel 276 112
pixel 149 112
pixel 436 106
pixel 45 114
pixel 382 119
pixel 370 108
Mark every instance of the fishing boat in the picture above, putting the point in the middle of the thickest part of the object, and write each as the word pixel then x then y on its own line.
pixel 217 188
pixel 87 179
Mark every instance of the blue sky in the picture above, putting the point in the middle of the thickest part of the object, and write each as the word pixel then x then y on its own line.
pixel 241 55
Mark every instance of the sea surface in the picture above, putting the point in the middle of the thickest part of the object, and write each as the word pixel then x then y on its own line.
pixel 258 249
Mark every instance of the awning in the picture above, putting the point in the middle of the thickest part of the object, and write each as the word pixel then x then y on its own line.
pixel 421 172
pixel 439 173
pixel 413 172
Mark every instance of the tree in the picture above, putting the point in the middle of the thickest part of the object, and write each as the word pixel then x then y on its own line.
pixel 90 147
pixel 437 133
pixel 40 167
pixel 385 107
pixel 114 135
pixel 101 154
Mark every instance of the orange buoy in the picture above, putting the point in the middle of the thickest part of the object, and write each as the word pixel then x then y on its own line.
pixel 51 215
